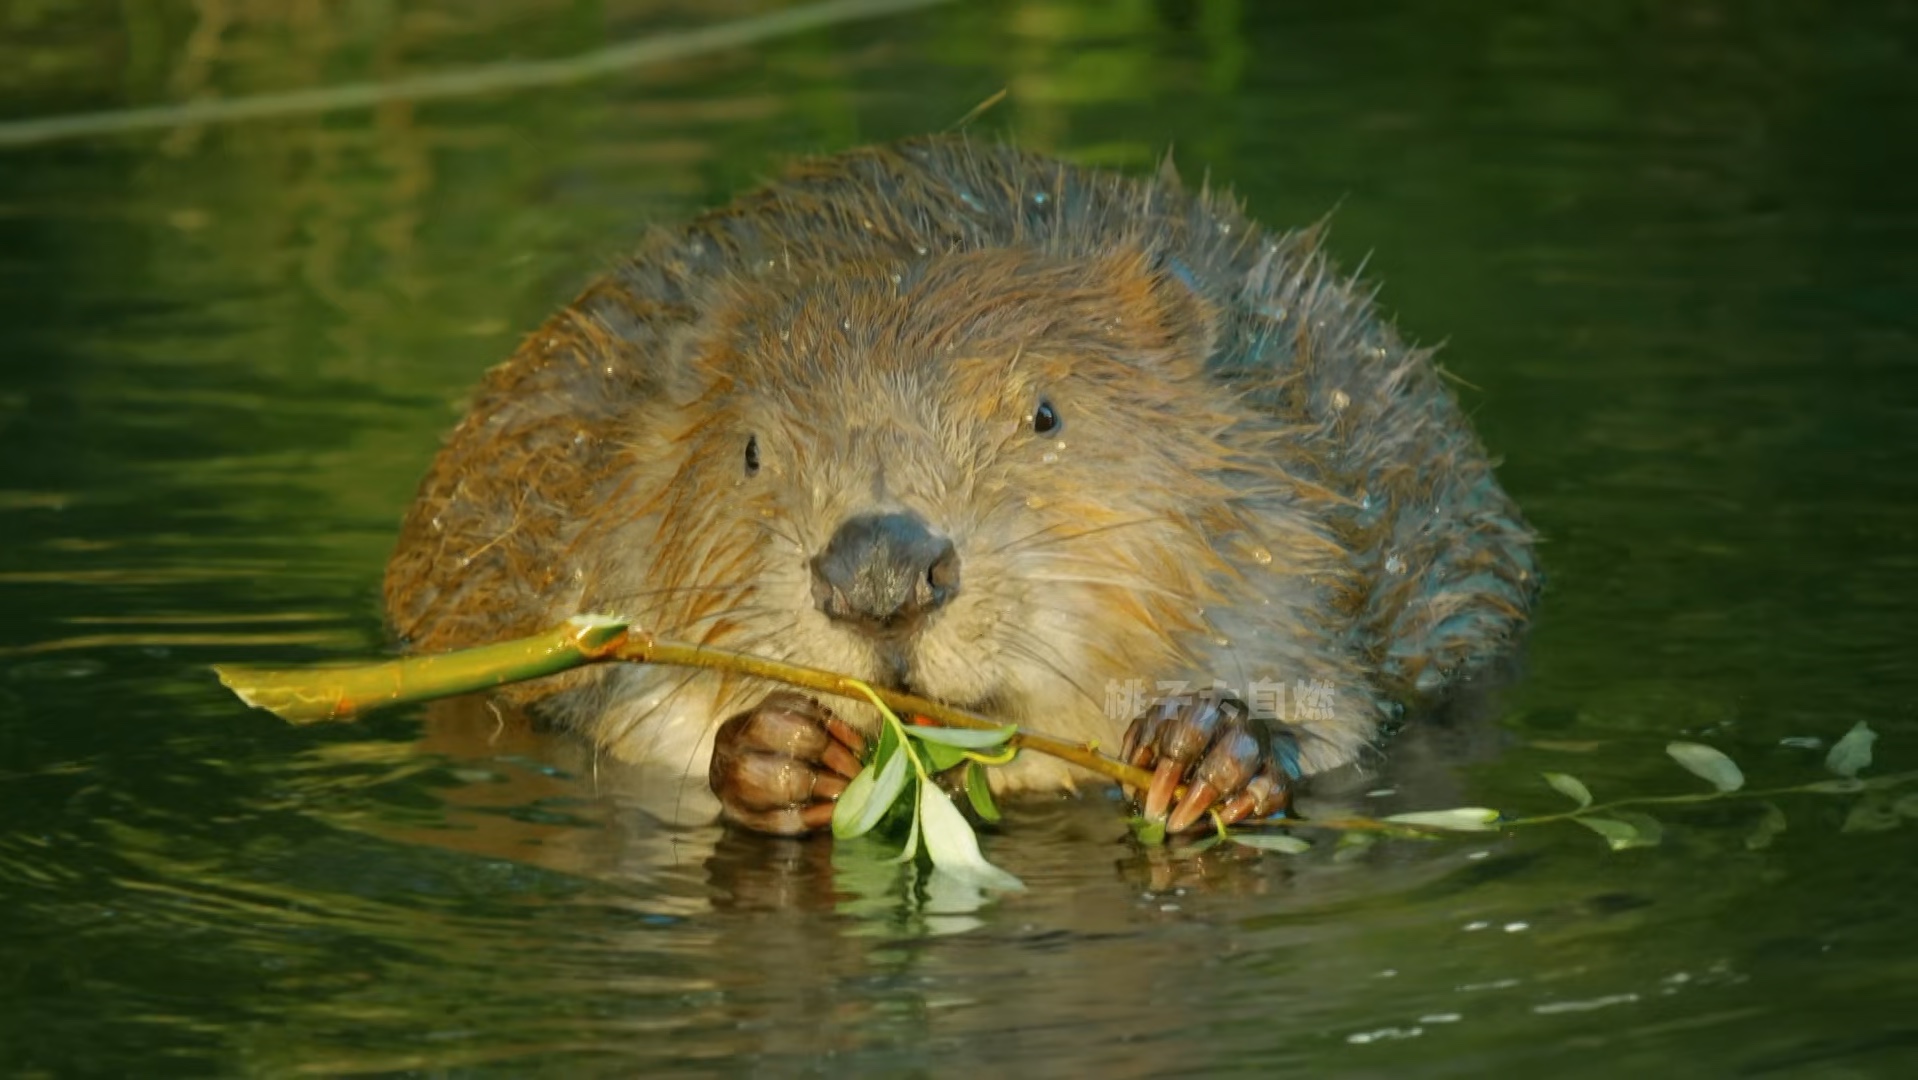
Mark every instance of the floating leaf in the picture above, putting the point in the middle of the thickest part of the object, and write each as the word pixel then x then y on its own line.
pixel 1619 834
pixel 1461 819
pixel 969 738
pixel 979 792
pixel 1571 787
pixel 1711 764
pixel 1873 813
pixel 1852 754
pixel 1770 824
pixel 953 845
pixel 869 795
pixel 1270 841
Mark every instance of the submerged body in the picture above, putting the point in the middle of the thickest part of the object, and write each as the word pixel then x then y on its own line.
pixel 1041 441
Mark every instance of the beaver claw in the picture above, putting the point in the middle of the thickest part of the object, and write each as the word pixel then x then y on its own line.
pixel 1214 745
pixel 780 767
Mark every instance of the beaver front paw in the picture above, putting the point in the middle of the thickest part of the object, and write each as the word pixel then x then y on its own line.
pixel 1228 758
pixel 781 767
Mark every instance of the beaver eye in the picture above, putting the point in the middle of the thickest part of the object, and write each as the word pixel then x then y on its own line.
pixel 752 455
pixel 1045 418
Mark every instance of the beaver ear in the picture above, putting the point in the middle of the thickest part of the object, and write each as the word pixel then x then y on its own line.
pixel 1171 315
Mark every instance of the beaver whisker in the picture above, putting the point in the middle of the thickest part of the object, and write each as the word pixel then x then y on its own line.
pixel 1027 542
pixel 1021 643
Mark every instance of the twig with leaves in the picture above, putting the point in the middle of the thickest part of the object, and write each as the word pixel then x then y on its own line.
pixel 910 756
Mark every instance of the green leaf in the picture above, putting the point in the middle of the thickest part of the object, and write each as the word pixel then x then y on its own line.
pixel 979 792
pixel 869 795
pixel 1844 786
pixel 1770 824
pixel 1270 841
pixel 1461 819
pixel 1571 787
pixel 1852 754
pixel 1907 805
pixel 939 757
pixel 1618 833
pixel 1873 813
pixel 1711 764
pixel 1203 843
pixel 1354 845
pixel 1650 832
pixel 1149 833
pixel 969 738
pixel 953 845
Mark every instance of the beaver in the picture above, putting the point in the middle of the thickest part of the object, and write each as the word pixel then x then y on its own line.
pixel 1086 452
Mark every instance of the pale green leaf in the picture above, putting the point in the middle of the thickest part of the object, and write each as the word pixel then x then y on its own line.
pixel 1618 834
pixel 911 851
pixel 1852 754
pixel 1264 841
pixel 953 845
pixel 1570 786
pixel 1907 805
pixel 868 797
pixel 1461 819
pixel 1711 764
pixel 1843 786
pixel 969 738
pixel 1770 823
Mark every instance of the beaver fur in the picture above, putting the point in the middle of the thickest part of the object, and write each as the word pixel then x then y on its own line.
pixel 1167 444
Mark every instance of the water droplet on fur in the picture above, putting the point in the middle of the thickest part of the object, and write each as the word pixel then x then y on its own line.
pixel 1261 555
pixel 438 525
pixel 866 223
pixel 1340 400
pixel 1049 457
pixel 1222 641
pixel 896 279
pixel 1394 564
pixel 1225 228
pixel 695 249
pixel 785 335
pixel 920 248
pixel 846 325
pixel 1039 198
pixel 1035 502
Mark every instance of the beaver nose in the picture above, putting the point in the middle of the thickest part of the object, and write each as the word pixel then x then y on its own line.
pixel 884 573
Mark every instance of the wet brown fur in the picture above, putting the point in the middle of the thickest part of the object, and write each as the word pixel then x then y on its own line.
pixel 1256 479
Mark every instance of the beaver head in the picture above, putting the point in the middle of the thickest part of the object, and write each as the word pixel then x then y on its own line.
pixel 995 478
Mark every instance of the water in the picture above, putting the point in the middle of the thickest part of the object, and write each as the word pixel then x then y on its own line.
pixel 1669 248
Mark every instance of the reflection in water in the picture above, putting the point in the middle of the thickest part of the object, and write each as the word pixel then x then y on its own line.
pixel 1669 248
